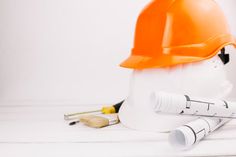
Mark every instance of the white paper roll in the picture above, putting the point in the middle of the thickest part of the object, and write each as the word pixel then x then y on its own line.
pixel 184 104
pixel 187 135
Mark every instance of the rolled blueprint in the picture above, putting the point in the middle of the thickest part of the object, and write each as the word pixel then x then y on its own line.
pixel 187 135
pixel 185 104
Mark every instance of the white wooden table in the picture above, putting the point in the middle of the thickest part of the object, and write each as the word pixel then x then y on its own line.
pixel 40 131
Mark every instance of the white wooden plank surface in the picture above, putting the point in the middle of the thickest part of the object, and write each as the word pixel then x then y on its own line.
pixel 41 131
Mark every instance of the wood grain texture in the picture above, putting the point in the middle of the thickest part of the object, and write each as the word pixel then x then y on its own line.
pixel 41 131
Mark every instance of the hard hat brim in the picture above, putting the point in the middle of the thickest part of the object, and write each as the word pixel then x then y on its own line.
pixel 142 62
pixel 142 119
pixel 135 61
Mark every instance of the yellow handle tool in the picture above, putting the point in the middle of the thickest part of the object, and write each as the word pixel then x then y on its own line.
pixel 105 110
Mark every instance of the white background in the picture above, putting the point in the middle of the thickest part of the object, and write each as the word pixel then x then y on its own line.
pixel 68 51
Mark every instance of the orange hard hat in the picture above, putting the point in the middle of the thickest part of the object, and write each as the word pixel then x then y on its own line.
pixel 171 32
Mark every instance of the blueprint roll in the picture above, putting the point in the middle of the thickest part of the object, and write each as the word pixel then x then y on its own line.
pixel 188 105
pixel 189 134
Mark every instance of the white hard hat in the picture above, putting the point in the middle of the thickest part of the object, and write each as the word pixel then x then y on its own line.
pixel 201 79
